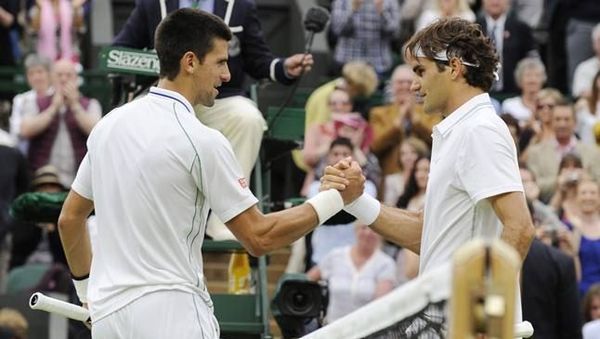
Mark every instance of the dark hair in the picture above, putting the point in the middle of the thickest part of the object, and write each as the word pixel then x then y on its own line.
pixel 509 120
pixel 570 158
pixel 460 39
pixel 186 30
pixel 411 189
pixel 593 99
pixel 592 292
pixel 341 141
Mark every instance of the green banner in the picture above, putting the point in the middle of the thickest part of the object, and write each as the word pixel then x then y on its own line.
pixel 129 60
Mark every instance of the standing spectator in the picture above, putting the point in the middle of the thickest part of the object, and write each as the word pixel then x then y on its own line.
pixel 585 70
pixel 512 38
pixel 583 16
pixel 37 69
pixel 364 30
pixel 57 131
pixel 8 16
pixel 544 158
pixel 62 18
pixel 356 274
pixel 445 9
pixel 530 76
pixel 549 293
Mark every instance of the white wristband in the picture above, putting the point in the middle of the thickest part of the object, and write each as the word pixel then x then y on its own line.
pixel 81 287
pixel 327 204
pixel 365 209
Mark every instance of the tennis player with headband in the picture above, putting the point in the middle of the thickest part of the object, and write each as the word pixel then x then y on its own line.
pixel 474 187
pixel 152 173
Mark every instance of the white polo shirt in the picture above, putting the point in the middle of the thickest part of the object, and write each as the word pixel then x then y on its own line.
pixel 473 158
pixel 154 171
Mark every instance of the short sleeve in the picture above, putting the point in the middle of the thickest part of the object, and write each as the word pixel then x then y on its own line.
pixel 487 163
pixel 83 181
pixel 222 180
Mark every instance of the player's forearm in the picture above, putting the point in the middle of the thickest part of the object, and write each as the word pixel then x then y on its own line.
pixel 519 235
pixel 76 244
pixel 400 226
pixel 280 229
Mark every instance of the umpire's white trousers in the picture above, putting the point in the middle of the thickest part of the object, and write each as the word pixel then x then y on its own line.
pixel 243 125
pixel 160 315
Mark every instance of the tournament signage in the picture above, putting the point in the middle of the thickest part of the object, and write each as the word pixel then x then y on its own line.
pixel 128 60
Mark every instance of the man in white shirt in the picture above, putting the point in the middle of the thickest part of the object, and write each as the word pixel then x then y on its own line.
pixel 152 173
pixel 474 187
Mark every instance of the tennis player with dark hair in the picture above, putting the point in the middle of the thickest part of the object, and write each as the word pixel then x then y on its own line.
pixel 152 173
pixel 474 187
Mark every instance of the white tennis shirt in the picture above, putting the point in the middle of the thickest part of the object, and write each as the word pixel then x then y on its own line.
pixel 473 158
pixel 154 171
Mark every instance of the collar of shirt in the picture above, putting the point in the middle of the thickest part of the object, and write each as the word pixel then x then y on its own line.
pixel 499 23
pixel 564 149
pixel 166 94
pixel 461 113
pixel 205 5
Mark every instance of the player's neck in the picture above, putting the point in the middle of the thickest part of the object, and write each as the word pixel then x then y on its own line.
pixel 179 87
pixel 459 97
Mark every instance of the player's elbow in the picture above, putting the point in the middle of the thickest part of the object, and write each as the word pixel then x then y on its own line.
pixel 258 247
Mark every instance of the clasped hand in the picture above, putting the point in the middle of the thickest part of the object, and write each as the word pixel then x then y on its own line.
pixel 345 176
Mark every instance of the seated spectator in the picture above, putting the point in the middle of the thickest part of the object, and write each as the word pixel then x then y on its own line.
pixel 37 69
pixel 364 30
pixel 544 158
pixel 58 129
pixel 530 76
pixel 338 231
pixel 588 112
pixel 394 184
pixel 445 9
pixel 356 274
pixel 586 227
pixel 413 199
pixel 41 238
pixel 358 79
pixel 542 213
pixel 570 173
pixel 58 18
pixel 14 321
pixel 514 128
pixel 585 71
pixel 591 313
pixel 399 119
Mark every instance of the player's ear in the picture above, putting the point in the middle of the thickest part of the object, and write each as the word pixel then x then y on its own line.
pixel 188 62
pixel 456 68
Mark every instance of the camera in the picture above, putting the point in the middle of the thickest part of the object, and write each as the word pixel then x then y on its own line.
pixel 299 305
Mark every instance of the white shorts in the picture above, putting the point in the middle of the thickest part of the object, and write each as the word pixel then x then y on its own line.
pixel 161 314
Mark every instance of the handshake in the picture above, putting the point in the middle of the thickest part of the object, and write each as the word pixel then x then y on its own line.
pixel 342 186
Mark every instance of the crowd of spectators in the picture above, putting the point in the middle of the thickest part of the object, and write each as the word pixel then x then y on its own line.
pixel 552 108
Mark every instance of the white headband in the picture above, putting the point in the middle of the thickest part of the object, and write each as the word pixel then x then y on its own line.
pixel 443 56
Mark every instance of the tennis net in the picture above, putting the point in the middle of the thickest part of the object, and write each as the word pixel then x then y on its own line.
pixel 416 310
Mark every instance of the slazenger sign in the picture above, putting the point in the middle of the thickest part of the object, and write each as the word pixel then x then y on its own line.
pixel 128 61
